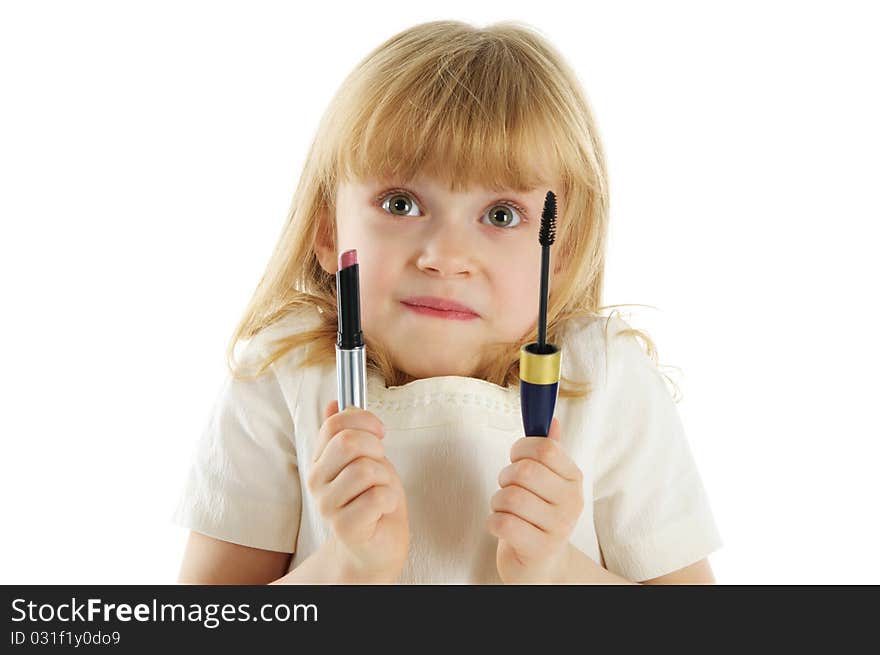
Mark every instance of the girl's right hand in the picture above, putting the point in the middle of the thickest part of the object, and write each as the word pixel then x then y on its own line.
pixel 359 493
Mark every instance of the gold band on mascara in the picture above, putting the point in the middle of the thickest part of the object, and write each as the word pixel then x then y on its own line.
pixel 539 368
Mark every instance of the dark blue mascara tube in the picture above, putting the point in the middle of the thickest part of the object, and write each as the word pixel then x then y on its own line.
pixel 538 386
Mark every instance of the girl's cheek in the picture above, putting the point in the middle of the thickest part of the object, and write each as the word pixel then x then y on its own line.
pixel 386 228
pixel 518 281
pixel 378 280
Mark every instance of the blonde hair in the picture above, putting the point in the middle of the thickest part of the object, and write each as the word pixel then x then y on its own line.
pixel 495 106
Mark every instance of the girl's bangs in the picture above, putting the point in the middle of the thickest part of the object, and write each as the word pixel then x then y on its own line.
pixel 459 144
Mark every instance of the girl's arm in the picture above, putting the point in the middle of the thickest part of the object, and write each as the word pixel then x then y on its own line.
pixel 211 561
pixel 582 569
pixel 696 573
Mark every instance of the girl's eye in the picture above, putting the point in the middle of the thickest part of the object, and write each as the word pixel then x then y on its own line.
pixel 503 216
pixel 500 215
pixel 399 204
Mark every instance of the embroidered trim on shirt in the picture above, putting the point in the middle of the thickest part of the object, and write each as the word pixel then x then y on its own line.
pixel 445 397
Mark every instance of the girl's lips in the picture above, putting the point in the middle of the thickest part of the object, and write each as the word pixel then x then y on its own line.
pixel 449 314
pixel 441 313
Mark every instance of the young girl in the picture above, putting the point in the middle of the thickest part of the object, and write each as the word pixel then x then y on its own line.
pixel 433 161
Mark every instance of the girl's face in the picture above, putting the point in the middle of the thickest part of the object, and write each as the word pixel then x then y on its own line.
pixel 478 248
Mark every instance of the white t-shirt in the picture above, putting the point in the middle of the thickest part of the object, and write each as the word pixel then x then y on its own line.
pixel 646 512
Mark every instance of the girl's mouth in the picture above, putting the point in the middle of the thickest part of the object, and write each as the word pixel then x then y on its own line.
pixel 439 308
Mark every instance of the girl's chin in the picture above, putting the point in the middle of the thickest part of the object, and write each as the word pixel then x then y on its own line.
pixel 425 368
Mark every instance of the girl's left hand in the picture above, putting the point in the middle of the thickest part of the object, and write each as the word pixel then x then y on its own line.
pixel 536 510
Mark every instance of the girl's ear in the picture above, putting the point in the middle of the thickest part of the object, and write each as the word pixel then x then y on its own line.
pixel 325 250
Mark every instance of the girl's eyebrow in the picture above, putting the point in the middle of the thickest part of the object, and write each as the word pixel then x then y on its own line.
pixel 422 188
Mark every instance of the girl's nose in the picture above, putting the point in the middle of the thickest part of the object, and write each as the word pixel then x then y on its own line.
pixel 446 252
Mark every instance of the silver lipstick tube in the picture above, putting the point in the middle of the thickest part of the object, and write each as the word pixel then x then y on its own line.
pixel 351 377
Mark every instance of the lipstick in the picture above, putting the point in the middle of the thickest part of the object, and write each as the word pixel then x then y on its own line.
pixel 351 356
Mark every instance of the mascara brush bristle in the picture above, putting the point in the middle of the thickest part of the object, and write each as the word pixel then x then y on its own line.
pixel 548 221
pixel 545 237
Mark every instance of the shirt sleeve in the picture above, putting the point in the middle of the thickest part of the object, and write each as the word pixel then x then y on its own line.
pixel 243 483
pixel 651 510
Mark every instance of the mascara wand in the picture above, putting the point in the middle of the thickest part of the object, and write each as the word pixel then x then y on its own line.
pixel 539 361
pixel 546 237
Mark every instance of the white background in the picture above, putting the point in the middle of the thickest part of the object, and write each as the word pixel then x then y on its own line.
pixel 148 155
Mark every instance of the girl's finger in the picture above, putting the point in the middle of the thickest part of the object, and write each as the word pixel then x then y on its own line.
pixel 537 478
pixel 519 533
pixel 343 449
pixel 355 479
pixel 526 505
pixel 549 452
pixel 353 418
pixel 555 432
pixel 365 511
